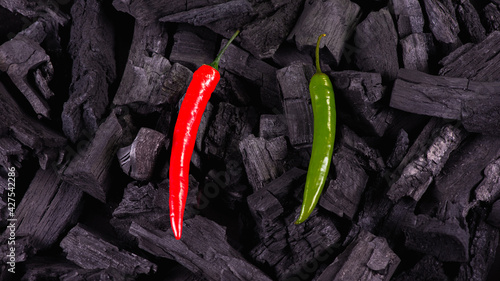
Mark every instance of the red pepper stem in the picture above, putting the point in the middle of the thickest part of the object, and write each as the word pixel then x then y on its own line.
pixel 318 68
pixel 215 63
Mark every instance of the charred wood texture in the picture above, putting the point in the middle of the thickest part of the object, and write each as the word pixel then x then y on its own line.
pixel 87 114
pixel 474 103
pixel 336 18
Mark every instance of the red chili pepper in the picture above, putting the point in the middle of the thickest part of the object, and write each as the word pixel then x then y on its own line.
pixel 200 89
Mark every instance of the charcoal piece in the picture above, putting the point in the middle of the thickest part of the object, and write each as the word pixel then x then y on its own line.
pixel 489 188
pixel 41 81
pixel 235 90
pixel 136 200
pixel 146 11
pixel 294 84
pixel 193 47
pixel 88 97
pixel 146 70
pixel 88 250
pixel 343 194
pixel 400 149
pixel 291 247
pixel 494 216
pixel 202 129
pixel 211 13
pixel 230 126
pixel 446 240
pixel 474 103
pixel 263 36
pixel 263 159
pixel 26 130
pixel 272 126
pixel 90 169
pixel 479 62
pixel 470 22
pixel 467 162
pixel 336 18
pixel 241 63
pixel 39 9
pixel 376 41
pixel 192 251
pixel 287 54
pixel 443 24
pixel 360 91
pixel 142 154
pixel 11 151
pixel 369 158
pixel 18 57
pixel 49 268
pixel 47 209
pixel 176 82
pixel 417 49
pixel 483 246
pixel 492 17
pixel 367 258
pixel 408 15
pixel 268 204
pixel 427 268
pixel 419 173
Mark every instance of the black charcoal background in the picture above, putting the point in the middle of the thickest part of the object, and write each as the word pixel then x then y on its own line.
pixel 89 94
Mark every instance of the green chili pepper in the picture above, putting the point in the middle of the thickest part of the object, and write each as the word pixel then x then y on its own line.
pixel 323 104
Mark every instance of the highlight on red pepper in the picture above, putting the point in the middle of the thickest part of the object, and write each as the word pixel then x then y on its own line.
pixel 200 89
pixel 325 115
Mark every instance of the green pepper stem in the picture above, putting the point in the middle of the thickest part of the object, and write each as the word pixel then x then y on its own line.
pixel 215 63
pixel 318 68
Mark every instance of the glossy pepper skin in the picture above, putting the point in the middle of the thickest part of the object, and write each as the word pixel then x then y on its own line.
pixel 323 104
pixel 200 89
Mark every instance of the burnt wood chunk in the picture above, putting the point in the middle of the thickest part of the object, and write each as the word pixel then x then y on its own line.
pixel 138 160
pixel 417 48
pixel 443 24
pixel 360 92
pixel 18 58
pixel 484 241
pixel 88 250
pixel 489 188
pixel 267 205
pixel 26 130
pixel 479 62
pixel 42 9
pixel 408 15
pixel 336 18
pixel 272 126
pixel 146 70
pixel 376 45
pixel 147 11
pixel 369 157
pixel 241 63
pixel 416 177
pixel 294 84
pixel 92 71
pixel 193 47
pixel 367 258
pixel 211 13
pixel 48 208
pixel 474 103
pixel 11 153
pixel 492 16
pixel 230 126
pixel 90 169
pixel 263 159
pixel 470 22
pixel 192 251
pixel 494 215
pixel 263 36
pixel 343 194
pixel 467 162
pixel 400 149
